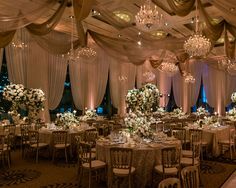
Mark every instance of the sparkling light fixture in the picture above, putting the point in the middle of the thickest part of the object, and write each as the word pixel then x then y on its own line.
pixel 87 52
pixel 169 67
pixel 197 45
pixel 149 76
pixel 72 54
pixel 148 18
pixel 189 79
pixel 227 63
pixel 19 44
pixel 122 78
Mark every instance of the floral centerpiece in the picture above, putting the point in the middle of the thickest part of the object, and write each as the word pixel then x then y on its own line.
pixel 231 114
pixel 143 99
pixel 201 111
pixel 66 119
pixel 31 100
pixel 134 120
pixel 15 93
pixel 140 103
pixel 178 112
pixel 16 117
pixel 133 98
pixel 233 97
pixel 90 114
pixel 35 103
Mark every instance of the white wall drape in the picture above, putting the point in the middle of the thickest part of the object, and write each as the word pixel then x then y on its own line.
pixel 163 82
pixel 119 88
pixel 35 68
pixel 196 69
pixel 214 82
pixel 89 80
pixel 57 67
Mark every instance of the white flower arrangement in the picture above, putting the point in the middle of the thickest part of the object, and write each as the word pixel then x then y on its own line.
pixel 27 99
pixel 14 93
pixel 231 114
pixel 16 117
pixel 90 114
pixel 233 97
pixel 143 99
pixel 66 119
pixel 201 111
pixel 144 131
pixel 139 124
pixel 177 113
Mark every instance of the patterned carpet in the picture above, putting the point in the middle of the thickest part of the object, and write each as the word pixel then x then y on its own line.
pixel 45 174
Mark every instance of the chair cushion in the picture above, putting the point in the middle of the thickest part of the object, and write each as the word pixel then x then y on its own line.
pixel 93 150
pixel 123 172
pixel 95 164
pixel 61 146
pixel 41 145
pixel 226 142
pixel 204 143
pixel 185 161
pixel 187 153
pixel 159 169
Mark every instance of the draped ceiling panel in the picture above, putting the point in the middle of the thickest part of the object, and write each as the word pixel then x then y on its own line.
pixel 117 55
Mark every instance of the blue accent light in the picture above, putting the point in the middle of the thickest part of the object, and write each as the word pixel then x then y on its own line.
pixel 99 110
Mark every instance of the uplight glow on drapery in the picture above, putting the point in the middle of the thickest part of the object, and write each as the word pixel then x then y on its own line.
pixel 119 88
pixel 36 68
pixel 89 79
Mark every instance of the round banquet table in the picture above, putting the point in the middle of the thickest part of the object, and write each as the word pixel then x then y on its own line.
pixel 145 157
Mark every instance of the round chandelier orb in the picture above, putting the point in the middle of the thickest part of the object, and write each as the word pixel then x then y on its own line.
pixel 189 79
pixel 71 55
pixel 169 68
pixel 197 46
pixel 148 18
pixel 149 76
pixel 87 52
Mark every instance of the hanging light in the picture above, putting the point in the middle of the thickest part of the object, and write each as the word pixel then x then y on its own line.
pixel 169 68
pixel 189 79
pixel 72 54
pixel 148 18
pixel 149 76
pixel 197 45
pixel 87 52
pixel 122 78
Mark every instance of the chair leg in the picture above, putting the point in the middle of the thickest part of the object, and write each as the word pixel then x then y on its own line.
pixel 37 155
pixel 53 154
pixel 80 176
pixel 90 176
pixel 66 155
pixel 129 181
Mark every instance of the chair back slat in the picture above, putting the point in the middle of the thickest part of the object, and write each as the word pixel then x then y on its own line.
pixel 59 137
pixel 121 158
pixel 190 177
pixel 170 183
pixel 170 157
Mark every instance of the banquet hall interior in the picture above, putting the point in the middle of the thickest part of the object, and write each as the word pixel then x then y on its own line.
pixel 118 93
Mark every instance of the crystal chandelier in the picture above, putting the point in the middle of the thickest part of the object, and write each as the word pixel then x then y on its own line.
pixel 71 55
pixel 148 18
pixel 149 76
pixel 189 79
pixel 87 52
pixel 169 68
pixel 19 44
pixel 122 78
pixel 197 45
pixel 227 63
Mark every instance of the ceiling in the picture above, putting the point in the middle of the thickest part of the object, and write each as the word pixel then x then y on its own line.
pixel 176 26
